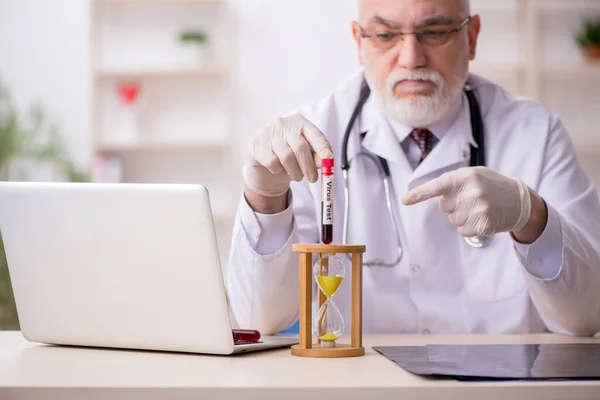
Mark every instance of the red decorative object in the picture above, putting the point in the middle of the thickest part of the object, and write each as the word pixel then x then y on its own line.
pixel 126 129
pixel 128 92
pixel 592 53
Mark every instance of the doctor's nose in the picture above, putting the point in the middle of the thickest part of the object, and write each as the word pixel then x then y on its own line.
pixel 411 54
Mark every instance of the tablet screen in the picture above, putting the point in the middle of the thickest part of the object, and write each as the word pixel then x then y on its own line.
pixel 499 361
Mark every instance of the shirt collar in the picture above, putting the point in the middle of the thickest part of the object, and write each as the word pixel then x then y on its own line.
pixel 438 129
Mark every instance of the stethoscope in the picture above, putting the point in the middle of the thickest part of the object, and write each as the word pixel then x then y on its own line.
pixel 477 159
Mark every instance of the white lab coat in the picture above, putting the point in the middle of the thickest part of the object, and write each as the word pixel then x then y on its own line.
pixel 441 284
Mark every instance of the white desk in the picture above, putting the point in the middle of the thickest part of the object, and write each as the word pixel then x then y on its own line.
pixel 33 371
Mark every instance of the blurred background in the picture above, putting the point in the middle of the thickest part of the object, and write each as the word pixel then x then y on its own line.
pixel 172 90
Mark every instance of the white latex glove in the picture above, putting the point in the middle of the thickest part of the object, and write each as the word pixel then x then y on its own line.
pixel 283 151
pixel 479 200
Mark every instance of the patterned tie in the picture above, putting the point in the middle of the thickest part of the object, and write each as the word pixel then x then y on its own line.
pixel 425 139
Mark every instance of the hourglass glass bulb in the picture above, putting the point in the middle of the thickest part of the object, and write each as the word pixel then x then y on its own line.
pixel 329 271
pixel 329 325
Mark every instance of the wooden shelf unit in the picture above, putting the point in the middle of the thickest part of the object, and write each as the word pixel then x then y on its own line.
pixel 185 107
pixel 206 145
pixel 535 74
pixel 150 73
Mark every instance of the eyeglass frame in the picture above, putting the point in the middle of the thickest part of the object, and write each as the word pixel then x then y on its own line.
pixel 402 35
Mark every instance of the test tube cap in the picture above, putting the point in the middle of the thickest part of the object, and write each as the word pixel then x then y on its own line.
pixel 327 162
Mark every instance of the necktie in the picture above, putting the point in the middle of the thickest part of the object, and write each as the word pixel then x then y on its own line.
pixel 425 140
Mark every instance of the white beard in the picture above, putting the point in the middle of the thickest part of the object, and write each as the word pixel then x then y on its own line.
pixel 418 111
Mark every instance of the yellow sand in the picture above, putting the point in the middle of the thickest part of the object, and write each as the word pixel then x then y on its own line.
pixel 328 337
pixel 329 284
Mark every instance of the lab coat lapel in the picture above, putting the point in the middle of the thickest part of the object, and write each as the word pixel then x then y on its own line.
pixel 451 152
pixel 367 203
pixel 382 141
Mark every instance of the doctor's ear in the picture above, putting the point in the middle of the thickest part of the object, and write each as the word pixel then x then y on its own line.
pixel 357 39
pixel 473 33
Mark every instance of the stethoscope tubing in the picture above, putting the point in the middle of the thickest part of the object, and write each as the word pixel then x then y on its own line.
pixel 477 159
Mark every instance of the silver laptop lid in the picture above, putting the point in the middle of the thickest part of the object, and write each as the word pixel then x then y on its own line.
pixel 116 265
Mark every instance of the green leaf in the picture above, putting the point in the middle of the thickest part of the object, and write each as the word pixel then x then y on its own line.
pixel 590 34
pixel 32 138
pixel 193 36
pixel 9 319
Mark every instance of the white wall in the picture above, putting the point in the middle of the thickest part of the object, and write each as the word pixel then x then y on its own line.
pixel 44 56
pixel 289 53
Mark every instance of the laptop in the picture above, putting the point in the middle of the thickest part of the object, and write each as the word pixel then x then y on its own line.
pixel 123 265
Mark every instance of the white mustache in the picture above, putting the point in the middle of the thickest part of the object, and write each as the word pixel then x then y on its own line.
pixel 417 75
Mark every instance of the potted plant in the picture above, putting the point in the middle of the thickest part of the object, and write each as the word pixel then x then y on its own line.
pixel 589 40
pixel 194 46
pixel 31 141
pixel 25 143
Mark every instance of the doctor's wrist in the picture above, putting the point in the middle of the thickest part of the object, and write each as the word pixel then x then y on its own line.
pixel 265 204
pixel 537 220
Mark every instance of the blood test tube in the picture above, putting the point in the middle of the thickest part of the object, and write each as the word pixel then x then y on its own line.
pixel 246 335
pixel 327 200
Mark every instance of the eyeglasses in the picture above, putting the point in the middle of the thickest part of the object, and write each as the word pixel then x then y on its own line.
pixel 386 39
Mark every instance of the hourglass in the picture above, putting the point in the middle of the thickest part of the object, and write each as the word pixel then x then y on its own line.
pixel 329 272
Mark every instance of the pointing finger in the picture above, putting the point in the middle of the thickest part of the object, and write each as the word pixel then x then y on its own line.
pixel 434 188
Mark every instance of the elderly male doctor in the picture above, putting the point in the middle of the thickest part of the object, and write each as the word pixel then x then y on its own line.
pixel 540 271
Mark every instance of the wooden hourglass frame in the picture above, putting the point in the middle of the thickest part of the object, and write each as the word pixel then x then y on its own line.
pixel 306 348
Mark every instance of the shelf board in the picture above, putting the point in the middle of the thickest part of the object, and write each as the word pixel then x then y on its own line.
pixel 568 5
pixel 126 73
pixel 181 145
pixel 581 71
pixel 588 148
pixel 495 69
pixel 222 217
pixel 155 1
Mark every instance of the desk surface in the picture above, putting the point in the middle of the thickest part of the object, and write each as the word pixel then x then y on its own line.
pixel 35 371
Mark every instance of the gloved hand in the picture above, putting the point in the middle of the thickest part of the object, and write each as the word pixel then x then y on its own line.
pixel 283 151
pixel 479 200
